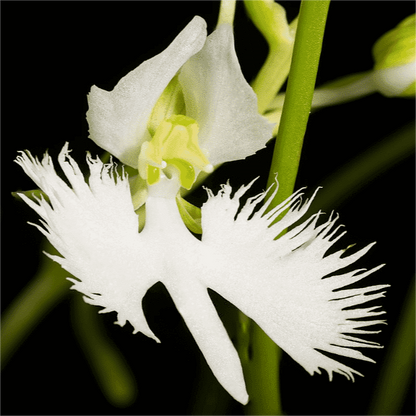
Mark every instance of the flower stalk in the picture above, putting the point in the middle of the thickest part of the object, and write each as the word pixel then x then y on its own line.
pixel 299 94
pixel 262 379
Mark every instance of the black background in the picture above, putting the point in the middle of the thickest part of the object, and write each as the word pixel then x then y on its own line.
pixel 52 52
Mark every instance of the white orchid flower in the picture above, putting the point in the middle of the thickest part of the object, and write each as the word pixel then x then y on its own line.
pixel 294 291
pixel 195 84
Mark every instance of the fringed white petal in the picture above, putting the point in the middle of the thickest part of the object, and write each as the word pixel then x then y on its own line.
pixel 300 296
pixel 283 284
pixel 118 119
pixel 223 103
pixel 95 229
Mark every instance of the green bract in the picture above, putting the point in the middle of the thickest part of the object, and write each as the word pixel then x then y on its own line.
pixel 270 18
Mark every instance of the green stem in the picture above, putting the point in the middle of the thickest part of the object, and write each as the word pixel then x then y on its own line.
pixel 40 295
pixel 261 366
pixel 343 90
pixel 110 369
pixel 398 368
pixel 260 361
pixel 299 94
pixel 338 92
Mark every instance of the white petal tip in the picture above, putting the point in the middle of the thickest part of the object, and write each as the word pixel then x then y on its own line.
pixel 244 400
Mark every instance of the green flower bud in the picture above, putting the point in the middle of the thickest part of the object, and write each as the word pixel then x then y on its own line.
pixel 394 55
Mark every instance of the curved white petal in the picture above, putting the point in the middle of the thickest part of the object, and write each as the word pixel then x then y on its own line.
pixel 222 102
pixel 282 284
pixel 118 119
pixel 194 304
pixel 95 229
